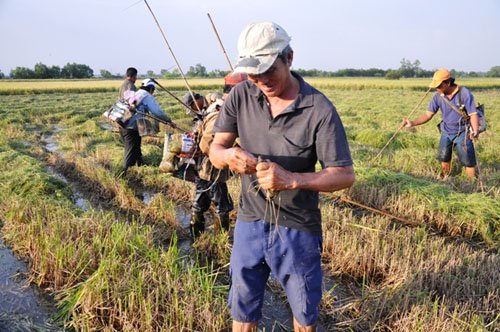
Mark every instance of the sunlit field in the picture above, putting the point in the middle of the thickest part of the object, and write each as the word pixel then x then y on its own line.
pixel 92 85
pixel 122 262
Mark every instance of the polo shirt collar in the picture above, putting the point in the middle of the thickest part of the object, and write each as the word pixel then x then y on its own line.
pixel 457 89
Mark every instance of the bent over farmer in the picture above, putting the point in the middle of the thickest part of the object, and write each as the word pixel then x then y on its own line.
pixel 211 183
pixel 285 126
pixel 460 124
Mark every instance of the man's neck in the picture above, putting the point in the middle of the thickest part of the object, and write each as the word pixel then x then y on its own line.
pixel 278 103
pixel 451 91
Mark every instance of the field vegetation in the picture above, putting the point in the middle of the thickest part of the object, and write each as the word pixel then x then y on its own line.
pixel 122 263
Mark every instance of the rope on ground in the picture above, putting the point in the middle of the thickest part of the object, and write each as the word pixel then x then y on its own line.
pixel 382 212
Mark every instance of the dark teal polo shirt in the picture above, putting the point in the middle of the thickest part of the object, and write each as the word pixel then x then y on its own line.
pixel 306 131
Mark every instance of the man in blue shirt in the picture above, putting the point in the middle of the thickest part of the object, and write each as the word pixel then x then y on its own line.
pixel 460 125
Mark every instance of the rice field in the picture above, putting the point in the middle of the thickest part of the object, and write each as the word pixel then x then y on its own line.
pixel 124 262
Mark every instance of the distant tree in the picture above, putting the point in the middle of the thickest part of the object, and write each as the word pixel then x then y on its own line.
pixel 175 73
pixel 217 73
pixel 393 75
pixel 55 72
pixel 164 72
pixel 309 72
pixel 151 74
pixel 409 69
pixel 494 72
pixel 197 71
pixel 22 73
pixel 41 71
pixel 2 75
pixel 106 73
pixel 75 70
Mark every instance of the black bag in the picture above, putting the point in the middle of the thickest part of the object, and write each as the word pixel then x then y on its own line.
pixel 482 117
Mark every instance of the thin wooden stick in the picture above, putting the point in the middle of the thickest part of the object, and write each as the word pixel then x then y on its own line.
pixel 401 126
pixel 220 42
pixel 172 53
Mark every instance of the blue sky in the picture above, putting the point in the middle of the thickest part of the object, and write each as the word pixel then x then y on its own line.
pixel 327 35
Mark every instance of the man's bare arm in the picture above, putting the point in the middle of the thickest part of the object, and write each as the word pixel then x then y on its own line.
pixel 222 154
pixel 272 176
pixel 424 118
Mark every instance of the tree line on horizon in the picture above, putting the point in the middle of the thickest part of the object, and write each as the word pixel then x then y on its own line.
pixel 407 69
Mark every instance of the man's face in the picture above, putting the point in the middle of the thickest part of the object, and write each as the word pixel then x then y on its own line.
pixel 273 81
pixel 197 104
pixel 443 87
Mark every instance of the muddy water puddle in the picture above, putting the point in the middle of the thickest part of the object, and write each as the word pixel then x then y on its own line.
pixel 78 198
pixel 49 140
pixel 22 307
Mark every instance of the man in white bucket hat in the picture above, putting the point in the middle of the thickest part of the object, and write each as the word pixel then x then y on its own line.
pixel 285 127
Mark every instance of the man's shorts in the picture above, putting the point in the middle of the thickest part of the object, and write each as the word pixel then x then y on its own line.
pixel 463 145
pixel 292 256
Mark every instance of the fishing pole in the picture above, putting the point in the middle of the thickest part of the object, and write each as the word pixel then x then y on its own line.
pixel 168 123
pixel 479 174
pixel 174 96
pixel 401 126
pixel 220 42
pixel 172 53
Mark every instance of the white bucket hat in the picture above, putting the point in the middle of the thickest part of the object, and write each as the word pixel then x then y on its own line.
pixel 259 44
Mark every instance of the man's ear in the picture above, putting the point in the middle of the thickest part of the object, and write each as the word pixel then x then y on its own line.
pixel 290 58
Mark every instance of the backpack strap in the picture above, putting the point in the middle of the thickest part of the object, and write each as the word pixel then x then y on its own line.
pixel 463 114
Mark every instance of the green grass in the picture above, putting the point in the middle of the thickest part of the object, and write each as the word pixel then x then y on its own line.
pixel 118 267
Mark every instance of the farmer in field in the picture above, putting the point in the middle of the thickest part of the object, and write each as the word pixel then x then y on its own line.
pixel 285 127
pixel 459 126
pixel 129 82
pixel 210 183
pixel 144 101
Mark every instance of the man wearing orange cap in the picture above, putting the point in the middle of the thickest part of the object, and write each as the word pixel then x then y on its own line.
pixel 459 125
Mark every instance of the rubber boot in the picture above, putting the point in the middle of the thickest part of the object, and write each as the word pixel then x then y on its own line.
pixel 197 224
pixel 222 223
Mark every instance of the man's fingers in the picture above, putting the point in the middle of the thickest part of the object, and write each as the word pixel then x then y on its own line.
pixel 263 166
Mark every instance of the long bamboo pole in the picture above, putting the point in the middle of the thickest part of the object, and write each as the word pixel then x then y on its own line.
pixel 172 53
pixel 220 42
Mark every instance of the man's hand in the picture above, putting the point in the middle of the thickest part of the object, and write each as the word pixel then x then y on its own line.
pixel 241 161
pixel 272 176
pixel 407 123
pixel 473 135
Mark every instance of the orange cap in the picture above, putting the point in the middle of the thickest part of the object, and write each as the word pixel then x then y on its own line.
pixel 235 78
pixel 439 76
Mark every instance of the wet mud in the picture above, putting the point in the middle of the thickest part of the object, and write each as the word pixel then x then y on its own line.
pixel 23 307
